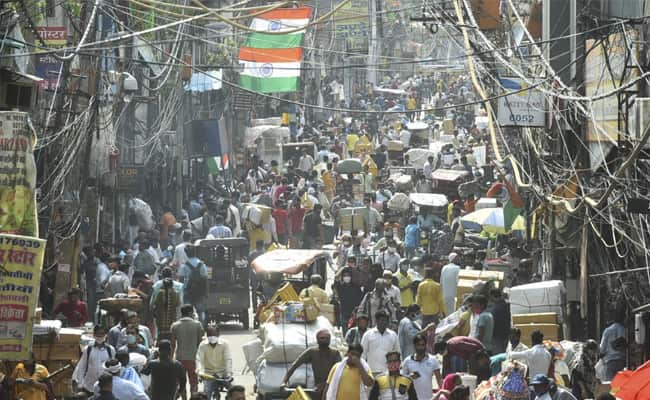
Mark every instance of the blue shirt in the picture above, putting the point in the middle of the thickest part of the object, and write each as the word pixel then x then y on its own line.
pixel 411 237
pixel 129 374
pixel 220 232
pixel 185 271
pixel 611 333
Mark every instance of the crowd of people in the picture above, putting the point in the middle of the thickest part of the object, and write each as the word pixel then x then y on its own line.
pixel 390 293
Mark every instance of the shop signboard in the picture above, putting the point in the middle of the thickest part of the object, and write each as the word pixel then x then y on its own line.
pixel 21 262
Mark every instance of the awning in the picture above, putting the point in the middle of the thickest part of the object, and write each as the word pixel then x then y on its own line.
pixel 21 77
pixel 204 82
pixel 287 261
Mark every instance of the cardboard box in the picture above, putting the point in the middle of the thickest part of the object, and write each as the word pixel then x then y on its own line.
pixel 299 394
pixel 550 331
pixel 57 352
pixel 538 318
pixel 465 286
pixel 481 275
pixel 69 336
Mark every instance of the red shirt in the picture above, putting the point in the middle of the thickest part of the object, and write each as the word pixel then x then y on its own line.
pixel 281 220
pixel 76 314
pixel 279 192
pixel 296 215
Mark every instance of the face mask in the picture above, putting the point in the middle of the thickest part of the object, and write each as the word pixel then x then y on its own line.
pixel 213 339
pixel 347 244
pixel 100 339
pixel 391 250
pixel 347 279
pixel 130 339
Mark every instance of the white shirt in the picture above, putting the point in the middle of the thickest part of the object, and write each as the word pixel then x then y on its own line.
pixel 390 261
pixel 427 169
pixel 426 368
pixel 537 358
pixel 180 257
pixel 449 282
pixel 103 275
pixel 123 389
pixel 405 137
pixel 376 345
pixel 236 224
pixel 89 368
pixel 306 163
pixel 394 294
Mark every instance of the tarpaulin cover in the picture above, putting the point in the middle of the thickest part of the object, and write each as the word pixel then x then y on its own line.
pixel 632 385
pixel 286 261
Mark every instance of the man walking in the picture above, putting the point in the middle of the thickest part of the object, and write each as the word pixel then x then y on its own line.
pixel 421 367
pixel 408 329
pixel 394 385
pixel 321 358
pixel 167 375
pixel 91 363
pixel 195 281
pixel 376 301
pixel 377 342
pixel 186 336
pixel 612 347
pixel 429 298
pixel 449 283
pixel 350 378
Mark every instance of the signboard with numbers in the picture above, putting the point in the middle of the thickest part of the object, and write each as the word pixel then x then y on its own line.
pixel 522 108
pixel 21 258
pixel 130 178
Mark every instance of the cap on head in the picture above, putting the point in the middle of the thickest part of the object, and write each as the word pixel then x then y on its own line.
pixel 540 379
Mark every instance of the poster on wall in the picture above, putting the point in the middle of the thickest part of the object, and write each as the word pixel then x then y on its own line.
pixel 17 175
pixel 21 261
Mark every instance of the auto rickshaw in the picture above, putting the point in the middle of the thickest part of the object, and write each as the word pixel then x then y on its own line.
pixel 436 205
pixel 228 279
pixel 285 271
pixel 446 181
pixel 420 133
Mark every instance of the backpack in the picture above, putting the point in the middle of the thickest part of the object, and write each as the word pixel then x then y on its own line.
pixel 89 349
pixel 197 285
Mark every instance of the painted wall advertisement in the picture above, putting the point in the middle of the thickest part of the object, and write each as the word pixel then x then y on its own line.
pixel 352 25
pixel 525 108
pixel 21 260
pixel 17 175
pixel 48 67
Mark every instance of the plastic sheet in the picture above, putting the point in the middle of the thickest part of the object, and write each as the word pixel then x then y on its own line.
pixel 268 377
pixel 283 343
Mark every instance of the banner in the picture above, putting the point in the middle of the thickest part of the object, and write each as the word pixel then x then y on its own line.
pixel 21 261
pixel 17 175
pixel 352 24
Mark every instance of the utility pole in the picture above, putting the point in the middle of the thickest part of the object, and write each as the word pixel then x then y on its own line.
pixel 374 44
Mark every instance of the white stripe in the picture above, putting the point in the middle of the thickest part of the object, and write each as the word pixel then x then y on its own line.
pixel 271 70
pixel 278 25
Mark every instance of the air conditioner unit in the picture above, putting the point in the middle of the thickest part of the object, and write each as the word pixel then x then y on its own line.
pixel 639 120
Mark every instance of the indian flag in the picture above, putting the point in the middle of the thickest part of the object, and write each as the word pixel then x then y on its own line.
pixel 271 62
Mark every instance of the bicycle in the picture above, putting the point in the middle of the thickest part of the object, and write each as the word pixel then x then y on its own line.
pixel 220 384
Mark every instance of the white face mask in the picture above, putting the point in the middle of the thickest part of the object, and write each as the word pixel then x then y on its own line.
pixel 392 250
pixel 213 339
pixel 347 279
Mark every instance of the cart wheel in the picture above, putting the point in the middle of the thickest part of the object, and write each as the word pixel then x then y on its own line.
pixel 244 319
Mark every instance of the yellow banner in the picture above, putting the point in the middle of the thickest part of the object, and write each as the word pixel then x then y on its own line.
pixel 17 175
pixel 21 262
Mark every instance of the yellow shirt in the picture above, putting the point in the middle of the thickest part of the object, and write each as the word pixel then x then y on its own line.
pixel 429 298
pixel 462 329
pixel 255 234
pixel 350 383
pixel 351 141
pixel 410 103
pixel 372 166
pixel 405 282
pixel 316 293
pixel 328 181
pixel 27 392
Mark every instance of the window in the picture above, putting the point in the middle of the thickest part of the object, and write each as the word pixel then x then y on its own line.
pixel 18 96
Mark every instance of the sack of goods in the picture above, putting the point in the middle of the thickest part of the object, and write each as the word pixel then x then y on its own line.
pixel 268 376
pixel 399 202
pixel 403 183
pixel 284 342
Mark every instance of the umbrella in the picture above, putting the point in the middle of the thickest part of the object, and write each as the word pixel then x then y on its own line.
pixel 632 385
pixel 491 220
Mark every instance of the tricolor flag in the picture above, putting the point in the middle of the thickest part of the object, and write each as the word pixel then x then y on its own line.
pixel 271 62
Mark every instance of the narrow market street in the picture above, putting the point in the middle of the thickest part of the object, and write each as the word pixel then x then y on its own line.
pixel 324 200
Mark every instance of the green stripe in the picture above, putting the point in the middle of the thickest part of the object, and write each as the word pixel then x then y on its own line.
pixel 265 41
pixel 269 85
